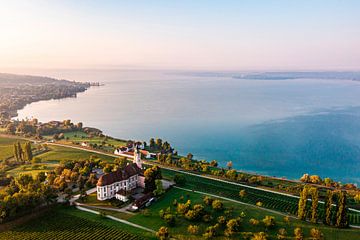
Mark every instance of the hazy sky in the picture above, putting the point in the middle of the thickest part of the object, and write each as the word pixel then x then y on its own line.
pixel 181 34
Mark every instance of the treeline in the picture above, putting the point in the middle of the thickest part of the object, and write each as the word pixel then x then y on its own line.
pixel 25 193
pixel 335 211
pixel 159 146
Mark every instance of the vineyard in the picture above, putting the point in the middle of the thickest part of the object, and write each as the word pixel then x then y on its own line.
pixel 269 200
pixel 63 225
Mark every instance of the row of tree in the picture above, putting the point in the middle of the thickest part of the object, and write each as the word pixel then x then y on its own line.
pixel 333 215
pixel 23 154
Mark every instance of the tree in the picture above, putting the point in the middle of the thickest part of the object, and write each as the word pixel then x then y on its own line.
pixel 151 174
pixel 305 178
pixel 108 168
pixel 163 233
pixel 208 200
pixel 259 236
pixel 282 234
pixel 79 126
pixel 217 205
pixel 269 221
pixel 159 188
pixel 16 152
pixel 341 211
pixel 242 193
pixel 169 219
pixel 10 128
pixel 357 198
pixel 298 233
pixel 229 165
pixel 152 143
pixel 179 179
pixel 158 143
pixel 302 203
pixel 314 204
pixel 232 227
pixel 254 222
pixel 210 232
pixel 27 152
pixel 328 207
pixel 193 229
pixel 214 163
pixel 316 234
pixel 20 151
pixel 121 162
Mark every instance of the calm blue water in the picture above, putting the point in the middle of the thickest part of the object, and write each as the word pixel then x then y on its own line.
pixel 279 128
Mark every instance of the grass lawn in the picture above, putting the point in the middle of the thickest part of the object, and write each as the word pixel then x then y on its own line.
pixel 70 223
pixel 7 147
pixel 153 221
pixel 109 144
pixel 58 153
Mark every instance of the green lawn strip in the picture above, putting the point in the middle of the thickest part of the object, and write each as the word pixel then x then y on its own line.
pixel 58 153
pixel 152 219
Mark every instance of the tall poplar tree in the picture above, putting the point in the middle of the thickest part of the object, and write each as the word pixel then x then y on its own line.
pixel 16 152
pixel 328 207
pixel 341 211
pixel 314 204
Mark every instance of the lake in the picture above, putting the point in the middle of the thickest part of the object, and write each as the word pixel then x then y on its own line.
pixel 275 127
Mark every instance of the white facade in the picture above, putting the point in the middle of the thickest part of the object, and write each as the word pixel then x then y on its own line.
pixel 129 178
pixel 109 191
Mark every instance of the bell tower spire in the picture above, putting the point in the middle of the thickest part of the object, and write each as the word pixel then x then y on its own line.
pixel 137 157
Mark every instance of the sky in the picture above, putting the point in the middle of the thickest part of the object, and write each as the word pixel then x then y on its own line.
pixel 181 34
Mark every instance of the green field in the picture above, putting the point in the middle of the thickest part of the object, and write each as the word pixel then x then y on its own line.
pixel 153 221
pixel 7 147
pixel 77 137
pixel 70 223
pixel 58 153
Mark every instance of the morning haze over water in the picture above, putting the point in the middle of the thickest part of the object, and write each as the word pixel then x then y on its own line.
pixel 279 126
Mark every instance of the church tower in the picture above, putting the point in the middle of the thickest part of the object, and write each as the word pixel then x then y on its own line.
pixel 137 157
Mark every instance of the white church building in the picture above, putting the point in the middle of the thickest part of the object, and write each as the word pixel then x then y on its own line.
pixel 122 182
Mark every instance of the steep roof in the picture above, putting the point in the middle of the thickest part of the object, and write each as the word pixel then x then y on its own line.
pixel 119 175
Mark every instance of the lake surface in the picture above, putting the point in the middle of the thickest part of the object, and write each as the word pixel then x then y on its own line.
pixel 274 127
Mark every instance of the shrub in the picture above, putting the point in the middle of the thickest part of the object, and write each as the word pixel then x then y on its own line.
pixel 242 193
pixel 193 229
pixel 169 219
pixel 316 234
pixel 254 222
pixel 163 233
pixel 281 234
pixel 259 236
pixel 299 235
pixel 217 205
pixel 208 200
pixel 269 221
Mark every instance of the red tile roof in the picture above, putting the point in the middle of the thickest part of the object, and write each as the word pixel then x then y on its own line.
pixel 119 175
